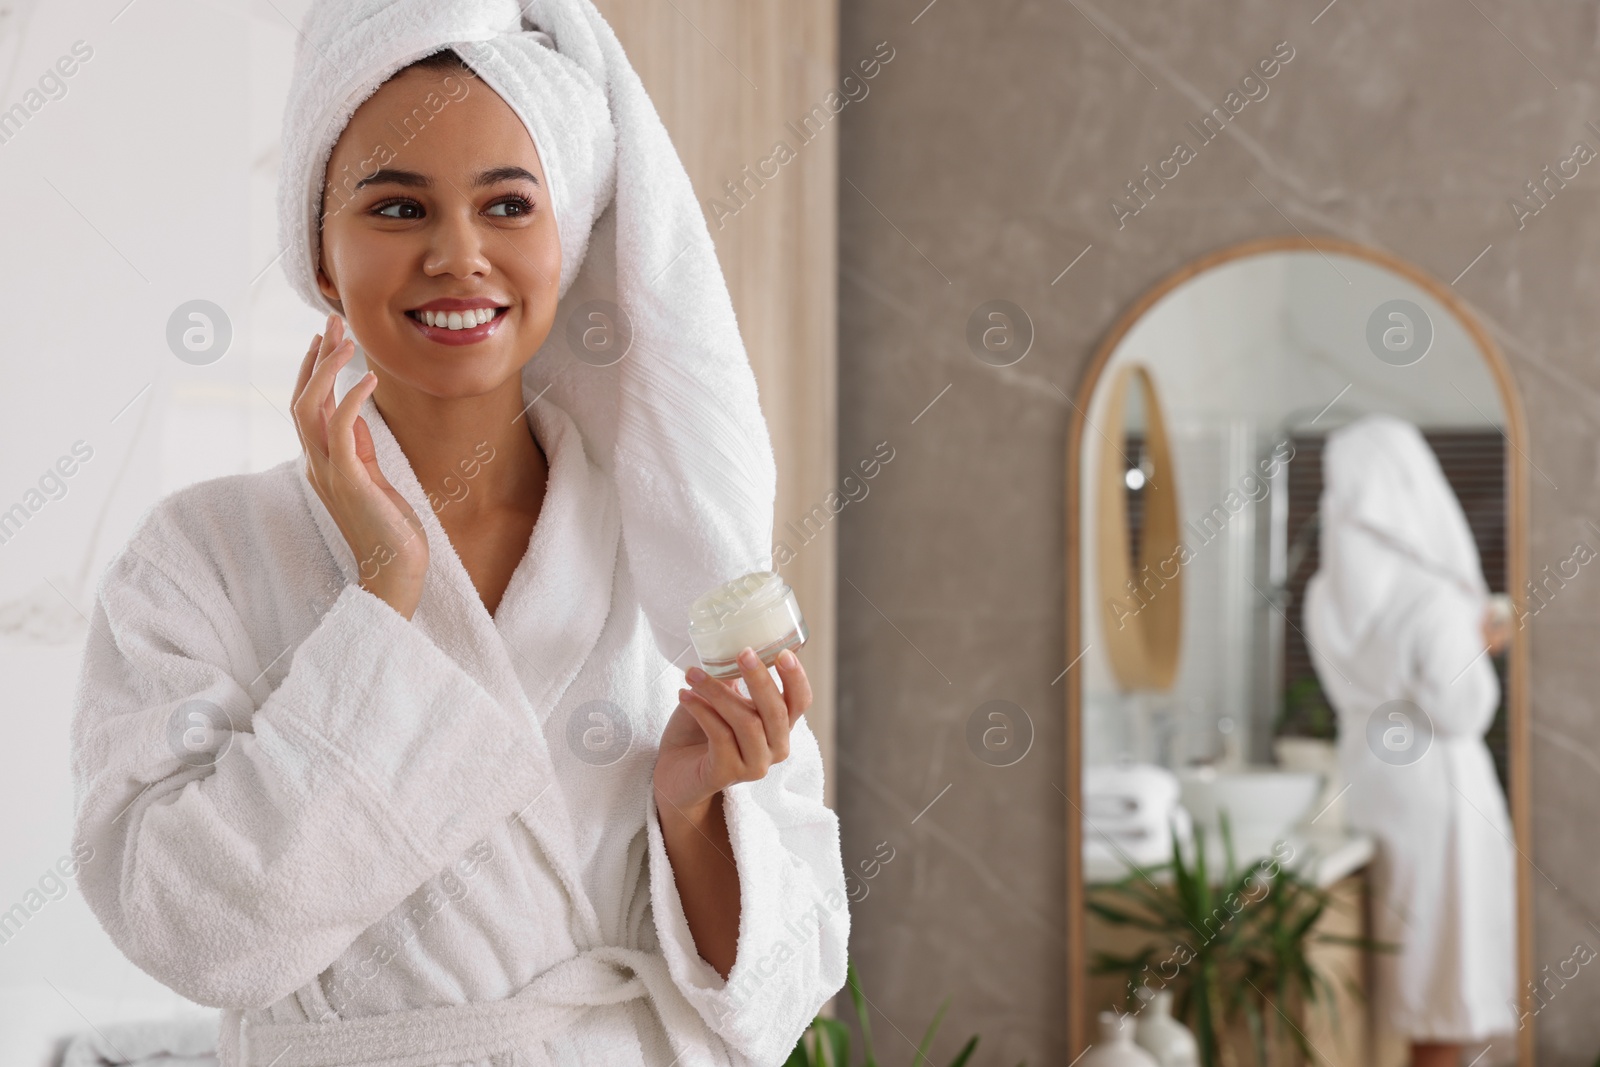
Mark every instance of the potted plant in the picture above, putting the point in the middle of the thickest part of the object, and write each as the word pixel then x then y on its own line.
pixel 1306 712
pixel 830 1038
pixel 1242 948
pixel 1306 740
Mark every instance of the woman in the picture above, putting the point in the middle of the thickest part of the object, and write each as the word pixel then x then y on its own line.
pixel 377 750
pixel 1397 621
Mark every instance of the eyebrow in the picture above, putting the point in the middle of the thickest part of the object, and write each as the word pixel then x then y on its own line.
pixel 492 176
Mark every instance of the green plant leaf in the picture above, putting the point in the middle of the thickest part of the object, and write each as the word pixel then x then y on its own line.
pixel 1119 917
pixel 831 1038
pixel 853 982
pixel 1357 942
pixel 1230 869
pixel 837 1035
pixel 799 1057
pixel 927 1037
pixel 1139 888
pixel 966 1052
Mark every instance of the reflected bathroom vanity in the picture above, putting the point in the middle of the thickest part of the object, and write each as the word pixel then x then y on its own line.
pixel 1193 481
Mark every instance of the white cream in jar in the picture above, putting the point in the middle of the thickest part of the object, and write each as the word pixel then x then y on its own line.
pixel 757 610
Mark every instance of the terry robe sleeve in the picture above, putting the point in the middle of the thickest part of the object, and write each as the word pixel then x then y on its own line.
pixel 794 918
pixel 241 838
pixel 1455 684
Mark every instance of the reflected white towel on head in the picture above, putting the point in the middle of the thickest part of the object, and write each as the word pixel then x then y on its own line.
pixel 676 421
pixel 1386 511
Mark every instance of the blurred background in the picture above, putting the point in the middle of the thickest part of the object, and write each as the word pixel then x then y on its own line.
pixel 949 162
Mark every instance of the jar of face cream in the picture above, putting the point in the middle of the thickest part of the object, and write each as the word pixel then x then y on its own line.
pixel 758 610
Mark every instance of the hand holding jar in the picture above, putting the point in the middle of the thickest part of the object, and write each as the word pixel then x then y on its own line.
pixel 717 735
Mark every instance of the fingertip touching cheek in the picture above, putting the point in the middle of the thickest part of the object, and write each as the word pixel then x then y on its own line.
pixel 438 237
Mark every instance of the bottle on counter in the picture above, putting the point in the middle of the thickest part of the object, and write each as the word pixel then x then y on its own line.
pixel 1165 1038
pixel 1115 1047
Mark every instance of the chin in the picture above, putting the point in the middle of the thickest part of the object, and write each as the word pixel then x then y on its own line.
pixel 453 375
pixel 463 384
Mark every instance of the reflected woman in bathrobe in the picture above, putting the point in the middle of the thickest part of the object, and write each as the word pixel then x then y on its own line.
pixel 383 750
pixel 1398 626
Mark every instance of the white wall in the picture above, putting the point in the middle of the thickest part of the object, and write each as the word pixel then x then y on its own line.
pixel 148 184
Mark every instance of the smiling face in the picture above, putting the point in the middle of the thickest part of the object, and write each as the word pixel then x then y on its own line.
pixel 452 226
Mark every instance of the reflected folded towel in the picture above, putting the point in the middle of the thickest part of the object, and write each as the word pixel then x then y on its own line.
pixel 181 1042
pixel 1132 796
pixel 1130 811
pixel 1146 846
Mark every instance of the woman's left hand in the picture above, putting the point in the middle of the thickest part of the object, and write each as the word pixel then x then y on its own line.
pixel 1496 631
pixel 717 736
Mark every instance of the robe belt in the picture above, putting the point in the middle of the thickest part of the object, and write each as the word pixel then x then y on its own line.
pixel 428 1037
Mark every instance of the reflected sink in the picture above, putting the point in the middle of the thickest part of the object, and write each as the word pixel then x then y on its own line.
pixel 1261 802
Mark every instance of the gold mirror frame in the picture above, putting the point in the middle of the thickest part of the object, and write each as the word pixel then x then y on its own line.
pixel 1142 646
pixel 1517 734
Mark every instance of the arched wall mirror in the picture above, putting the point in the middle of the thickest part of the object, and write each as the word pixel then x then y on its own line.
pixel 1297 715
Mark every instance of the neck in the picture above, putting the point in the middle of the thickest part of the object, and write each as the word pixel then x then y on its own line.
pixel 448 442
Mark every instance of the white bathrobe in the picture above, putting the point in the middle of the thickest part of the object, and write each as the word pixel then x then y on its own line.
pixel 450 817
pixel 1394 613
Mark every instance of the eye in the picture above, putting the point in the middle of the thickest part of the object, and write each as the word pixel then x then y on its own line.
pixel 383 209
pixel 521 204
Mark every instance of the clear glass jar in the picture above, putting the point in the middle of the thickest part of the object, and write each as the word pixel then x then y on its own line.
pixel 757 610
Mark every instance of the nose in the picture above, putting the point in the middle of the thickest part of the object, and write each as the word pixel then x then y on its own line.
pixel 457 245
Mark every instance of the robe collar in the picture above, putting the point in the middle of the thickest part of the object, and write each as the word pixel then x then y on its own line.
pixel 559 596
pixel 553 610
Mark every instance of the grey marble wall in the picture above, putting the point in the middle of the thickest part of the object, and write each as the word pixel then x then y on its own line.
pixel 979 166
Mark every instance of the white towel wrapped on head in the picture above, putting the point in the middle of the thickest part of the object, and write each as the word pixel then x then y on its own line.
pixel 676 421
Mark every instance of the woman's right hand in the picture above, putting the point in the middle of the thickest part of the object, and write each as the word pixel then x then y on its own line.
pixel 380 527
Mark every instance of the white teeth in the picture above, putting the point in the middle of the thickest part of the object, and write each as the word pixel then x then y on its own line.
pixel 458 320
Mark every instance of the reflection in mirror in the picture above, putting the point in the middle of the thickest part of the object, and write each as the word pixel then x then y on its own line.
pixel 1330 438
pixel 1136 536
